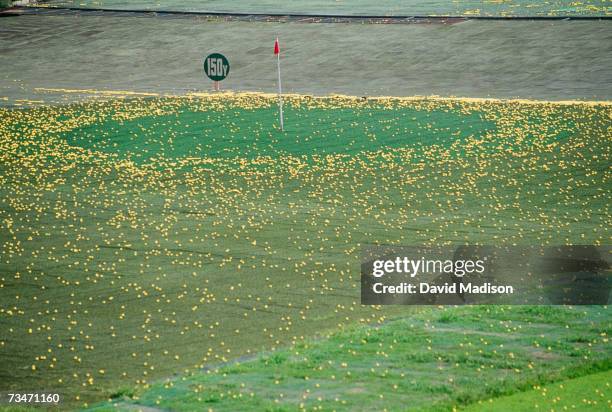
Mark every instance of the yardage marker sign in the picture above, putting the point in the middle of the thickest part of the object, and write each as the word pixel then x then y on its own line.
pixel 216 67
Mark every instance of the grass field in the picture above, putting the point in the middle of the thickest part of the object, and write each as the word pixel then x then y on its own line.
pixel 591 393
pixel 356 7
pixel 433 361
pixel 145 238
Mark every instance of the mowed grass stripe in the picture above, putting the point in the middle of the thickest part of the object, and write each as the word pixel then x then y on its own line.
pixel 590 392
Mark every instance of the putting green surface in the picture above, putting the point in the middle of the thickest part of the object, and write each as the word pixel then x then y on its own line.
pixel 358 7
pixel 150 237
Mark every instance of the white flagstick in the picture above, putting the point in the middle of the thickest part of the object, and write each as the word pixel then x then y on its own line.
pixel 280 90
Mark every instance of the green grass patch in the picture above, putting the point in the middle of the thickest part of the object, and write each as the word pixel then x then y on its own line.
pixel 414 364
pixel 249 134
pixel 590 392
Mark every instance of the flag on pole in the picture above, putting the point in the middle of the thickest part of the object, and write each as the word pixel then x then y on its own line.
pixel 280 89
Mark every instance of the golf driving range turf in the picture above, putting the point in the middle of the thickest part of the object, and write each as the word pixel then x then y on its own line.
pixel 152 239
pixel 436 360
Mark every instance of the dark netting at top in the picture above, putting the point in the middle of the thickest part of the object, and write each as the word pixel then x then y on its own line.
pixel 474 8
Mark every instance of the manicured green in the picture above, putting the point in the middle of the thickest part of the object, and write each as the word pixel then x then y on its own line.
pixel 311 133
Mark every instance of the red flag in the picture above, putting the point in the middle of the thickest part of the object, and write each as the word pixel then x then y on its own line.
pixel 276 47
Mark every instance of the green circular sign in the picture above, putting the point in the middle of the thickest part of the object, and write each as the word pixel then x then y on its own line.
pixel 216 67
